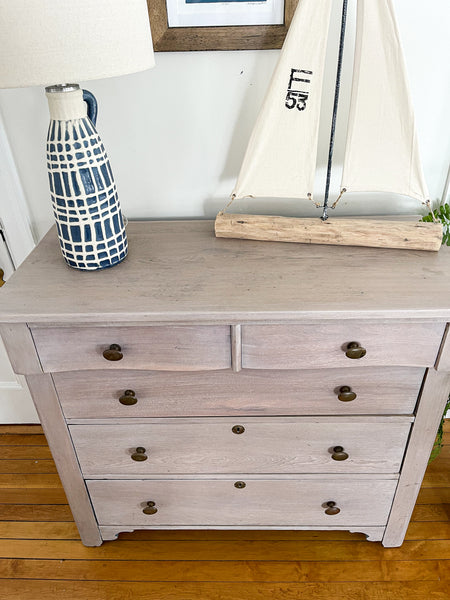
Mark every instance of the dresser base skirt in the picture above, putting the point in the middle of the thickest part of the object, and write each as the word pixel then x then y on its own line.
pixel 111 532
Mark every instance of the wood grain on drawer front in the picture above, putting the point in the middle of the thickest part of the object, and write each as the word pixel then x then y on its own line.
pixel 268 445
pixel 260 502
pixel 158 347
pixel 323 345
pixel 379 390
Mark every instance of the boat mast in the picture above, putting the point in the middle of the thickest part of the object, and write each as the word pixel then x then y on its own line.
pixel 324 216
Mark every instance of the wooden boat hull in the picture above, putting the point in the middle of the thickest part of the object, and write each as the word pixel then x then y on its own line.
pixel 412 235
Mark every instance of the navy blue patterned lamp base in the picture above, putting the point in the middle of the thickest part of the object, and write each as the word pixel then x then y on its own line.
pixel 89 221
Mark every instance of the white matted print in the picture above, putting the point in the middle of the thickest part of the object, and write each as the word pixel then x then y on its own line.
pixel 211 13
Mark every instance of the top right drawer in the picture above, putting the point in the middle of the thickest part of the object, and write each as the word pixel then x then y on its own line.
pixel 344 344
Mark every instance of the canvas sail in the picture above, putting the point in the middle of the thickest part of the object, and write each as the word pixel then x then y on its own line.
pixel 281 156
pixel 381 150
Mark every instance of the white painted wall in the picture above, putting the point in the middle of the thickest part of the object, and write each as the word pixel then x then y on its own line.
pixel 176 135
pixel 15 218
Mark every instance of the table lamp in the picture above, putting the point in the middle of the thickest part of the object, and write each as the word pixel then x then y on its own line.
pixel 50 43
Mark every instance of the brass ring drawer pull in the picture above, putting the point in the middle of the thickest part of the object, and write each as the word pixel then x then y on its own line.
pixel 128 398
pixel 346 394
pixel 150 509
pixel 238 429
pixel 114 352
pixel 140 454
pixel 339 454
pixel 332 509
pixel 240 485
pixel 355 350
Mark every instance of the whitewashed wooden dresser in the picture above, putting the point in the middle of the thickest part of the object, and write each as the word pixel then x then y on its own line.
pixel 213 383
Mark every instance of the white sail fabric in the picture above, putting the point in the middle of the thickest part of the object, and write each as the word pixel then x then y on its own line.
pixel 381 151
pixel 281 156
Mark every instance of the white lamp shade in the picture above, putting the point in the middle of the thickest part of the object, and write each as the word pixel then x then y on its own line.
pixel 48 42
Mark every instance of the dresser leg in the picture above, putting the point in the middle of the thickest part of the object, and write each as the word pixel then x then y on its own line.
pixel 58 438
pixel 429 413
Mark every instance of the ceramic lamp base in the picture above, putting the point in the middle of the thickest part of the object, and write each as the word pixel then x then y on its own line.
pixel 89 221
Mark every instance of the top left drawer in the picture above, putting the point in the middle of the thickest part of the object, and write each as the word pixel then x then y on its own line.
pixel 158 347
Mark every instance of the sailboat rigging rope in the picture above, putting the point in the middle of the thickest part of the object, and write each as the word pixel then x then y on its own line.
pixel 339 197
pixel 335 108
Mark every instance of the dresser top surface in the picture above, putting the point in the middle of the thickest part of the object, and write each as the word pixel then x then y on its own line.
pixel 178 271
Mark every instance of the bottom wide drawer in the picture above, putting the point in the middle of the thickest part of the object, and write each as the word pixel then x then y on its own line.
pixel 239 501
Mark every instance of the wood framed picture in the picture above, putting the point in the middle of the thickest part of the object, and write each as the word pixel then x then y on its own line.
pixel 185 25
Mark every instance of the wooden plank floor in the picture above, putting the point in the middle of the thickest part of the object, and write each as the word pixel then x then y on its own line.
pixel 41 555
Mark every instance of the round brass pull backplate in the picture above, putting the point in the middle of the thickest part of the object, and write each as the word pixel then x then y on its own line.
pixel 332 509
pixel 355 350
pixel 128 398
pixel 346 394
pixel 114 352
pixel 240 485
pixel 150 509
pixel 139 455
pixel 339 454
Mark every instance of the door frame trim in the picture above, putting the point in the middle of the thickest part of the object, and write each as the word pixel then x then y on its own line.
pixel 15 218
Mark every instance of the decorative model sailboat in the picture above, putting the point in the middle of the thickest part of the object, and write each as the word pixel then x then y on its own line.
pixel 381 150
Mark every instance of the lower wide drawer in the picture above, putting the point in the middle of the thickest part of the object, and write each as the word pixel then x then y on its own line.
pixel 244 445
pixel 262 502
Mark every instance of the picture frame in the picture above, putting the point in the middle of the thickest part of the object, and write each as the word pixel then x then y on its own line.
pixel 216 13
pixel 233 37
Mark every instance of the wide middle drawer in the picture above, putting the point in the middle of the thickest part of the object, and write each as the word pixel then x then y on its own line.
pixel 370 390
pixel 252 445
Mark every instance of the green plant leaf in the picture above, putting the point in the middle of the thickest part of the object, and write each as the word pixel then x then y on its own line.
pixel 442 214
pixel 440 435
